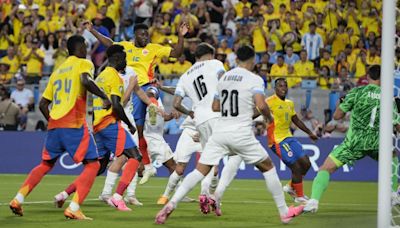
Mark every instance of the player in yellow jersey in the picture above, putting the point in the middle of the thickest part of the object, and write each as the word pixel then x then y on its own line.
pixel 143 57
pixel 67 128
pixel 281 141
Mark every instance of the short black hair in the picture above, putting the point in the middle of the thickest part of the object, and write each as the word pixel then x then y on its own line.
pixel 140 26
pixel 114 49
pixel 245 53
pixel 280 57
pixel 204 49
pixel 73 42
pixel 278 80
pixel 312 24
pixel 374 72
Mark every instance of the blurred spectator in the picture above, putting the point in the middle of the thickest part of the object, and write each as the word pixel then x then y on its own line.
pixel 273 54
pixel 61 54
pixel 290 57
pixel 106 21
pixel 304 68
pixel 325 80
pixel 23 97
pixel 164 67
pixel 228 36
pixel 34 62
pixel 312 43
pixel 339 38
pixel 216 12
pixel 9 112
pixel 12 60
pixel 189 18
pixel 337 128
pixel 144 11
pixel 327 60
pixel 280 68
pixel 172 127
pixel 359 67
pixel 224 48
pixel 239 7
pixel 259 32
pixel 99 54
pixel 202 14
pixel 372 57
pixel 127 32
pixel 259 128
pixel 6 39
pixel 189 52
pixel 246 18
pixel 181 66
pixel 310 121
pixel 221 56
pixel 4 68
pixel 49 47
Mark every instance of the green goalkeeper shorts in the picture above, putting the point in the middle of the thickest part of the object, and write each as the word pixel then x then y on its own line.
pixel 354 147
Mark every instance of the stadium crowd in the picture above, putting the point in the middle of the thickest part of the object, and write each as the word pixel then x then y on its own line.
pixel 330 43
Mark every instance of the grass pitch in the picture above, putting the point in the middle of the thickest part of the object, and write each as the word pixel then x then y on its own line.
pixel 246 204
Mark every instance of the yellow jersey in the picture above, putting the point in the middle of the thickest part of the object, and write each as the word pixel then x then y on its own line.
pixel 339 43
pixel 144 60
pixel 277 71
pixel 111 84
pixel 179 68
pixel 305 69
pixel 329 63
pixel 259 41
pixel 14 65
pixel 34 65
pixel 67 93
pixel 283 111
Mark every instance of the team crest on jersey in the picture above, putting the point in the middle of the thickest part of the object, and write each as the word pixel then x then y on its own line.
pixel 290 154
pixel 280 107
pixel 145 52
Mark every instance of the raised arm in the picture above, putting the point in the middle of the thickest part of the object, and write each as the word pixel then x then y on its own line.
pixel 177 51
pixel 103 39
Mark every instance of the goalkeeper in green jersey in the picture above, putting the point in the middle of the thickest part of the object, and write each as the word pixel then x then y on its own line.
pixel 362 138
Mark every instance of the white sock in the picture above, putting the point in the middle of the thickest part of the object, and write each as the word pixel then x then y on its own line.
pixel 172 183
pixel 275 187
pixel 109 183
pixel 20 198
pixel 228 173
pixel 74 206
pixel 205 184
pixel 131 190
pixel 187 185
pixel 148 167
pixel 117 196
pixel 64 194
pixel 214 184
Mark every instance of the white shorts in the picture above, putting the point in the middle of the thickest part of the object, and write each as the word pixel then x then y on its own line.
pixel 205 130
pixel 185 146
pixel 242 143
pixel 158 149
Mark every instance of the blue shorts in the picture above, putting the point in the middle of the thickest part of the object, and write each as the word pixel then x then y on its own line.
pixel 289 150
pixel 78 142
pixel 114 138
pixel 139 108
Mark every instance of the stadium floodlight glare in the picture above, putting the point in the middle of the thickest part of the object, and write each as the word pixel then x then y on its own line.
pixel 386 114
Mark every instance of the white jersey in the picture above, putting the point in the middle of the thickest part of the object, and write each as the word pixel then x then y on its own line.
pixel 199 83
pixel 154 131
pixel 235 91
pixel 126 77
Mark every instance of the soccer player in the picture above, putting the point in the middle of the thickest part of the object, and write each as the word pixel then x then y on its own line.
pixel 199 83
pixel 362 138
pixel 67 128
pixel 143 56
pixel 110 135
pixel 239 93
pixel 281 141
pixel 187 144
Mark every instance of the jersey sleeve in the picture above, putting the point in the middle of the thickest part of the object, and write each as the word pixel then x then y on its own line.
pixel 180 90
pixel 257 86
pixel 48 92
pixel 161 50
pixel 87 67
pixel 349 101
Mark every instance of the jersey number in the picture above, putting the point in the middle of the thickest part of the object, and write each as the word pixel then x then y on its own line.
pixel 233 102
pixel 59 84
pixel 373 116
pixel 200 87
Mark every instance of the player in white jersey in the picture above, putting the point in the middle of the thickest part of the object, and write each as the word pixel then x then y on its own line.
pixel 239 93
pixel 199 83
pixel 187 144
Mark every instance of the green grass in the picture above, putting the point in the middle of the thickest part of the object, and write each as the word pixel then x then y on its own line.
pixel 246 204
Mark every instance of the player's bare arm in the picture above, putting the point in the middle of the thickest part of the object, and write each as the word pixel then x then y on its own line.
pixel 177 51
pixel 303 127
pixel 91 86
pixel 119 111
pixel 103 39
pixel 168 89
pixel 262 107
pixel 44 107
pixel 178 106
pixel 339 114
